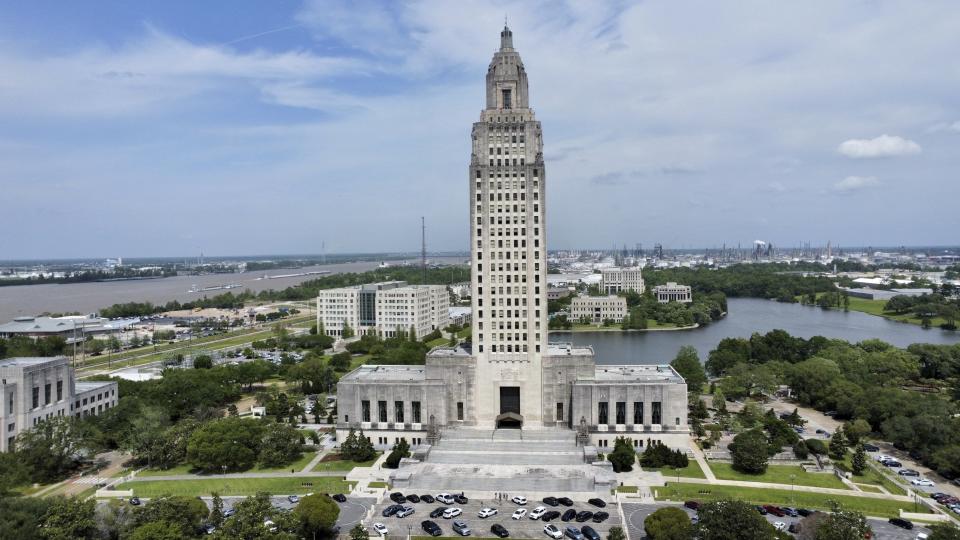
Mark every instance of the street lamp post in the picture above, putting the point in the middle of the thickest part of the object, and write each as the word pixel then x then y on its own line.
pixel 793 499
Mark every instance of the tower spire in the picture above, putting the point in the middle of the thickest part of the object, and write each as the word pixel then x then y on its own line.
pixel 506 36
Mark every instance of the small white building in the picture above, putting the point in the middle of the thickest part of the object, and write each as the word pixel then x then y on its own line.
pixel 673 292
pixel 621 279
pixel 597 309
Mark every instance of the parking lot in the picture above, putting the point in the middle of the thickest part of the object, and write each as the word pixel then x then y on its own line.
pixel 636 513
pixel 522 528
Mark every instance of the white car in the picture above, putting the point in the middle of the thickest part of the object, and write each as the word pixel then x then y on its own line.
pixel 487 512
pixel 553 532
pixel 537 512
pixel 780 526
pixel 519 513
pixel 445 498
pixel 380 528
pixel 883 457
pixel 519 499
pixel 922 482
pixel 450 513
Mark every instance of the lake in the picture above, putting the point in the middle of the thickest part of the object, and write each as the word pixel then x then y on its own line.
pixel 746 316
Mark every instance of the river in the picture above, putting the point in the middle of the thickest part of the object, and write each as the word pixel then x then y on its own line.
pixel 746 316
pixel 20 300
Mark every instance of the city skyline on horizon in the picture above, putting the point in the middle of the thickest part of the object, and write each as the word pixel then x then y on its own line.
pixel 258 124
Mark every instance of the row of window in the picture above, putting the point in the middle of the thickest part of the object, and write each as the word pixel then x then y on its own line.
pixel 637 443
pixel 621 413
pixel 398 411
pixel 47 394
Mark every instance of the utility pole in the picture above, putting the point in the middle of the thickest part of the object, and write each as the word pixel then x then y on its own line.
pixel 423 250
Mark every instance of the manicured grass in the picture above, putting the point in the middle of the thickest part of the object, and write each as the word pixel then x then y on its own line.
pixel 342 464
pixel 873 476
pixel 464 333
pixel 784 497
pixel 186 468
pixel 238 486
pixel 692 470
pixel 875 307
pixel 440 341
pixel 627 489
pixel 779 474
pixel 376 484
pixel 869 488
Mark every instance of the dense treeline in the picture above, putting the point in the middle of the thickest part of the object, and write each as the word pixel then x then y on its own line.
pixel 85 276
pixel 704 309
pixel 926 307
pixel 773 280
pixel 906 396
pixel 400 349
pixel 27 346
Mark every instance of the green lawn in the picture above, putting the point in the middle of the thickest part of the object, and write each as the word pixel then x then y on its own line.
pixel 342 465
pixel 875 307
pixel 692 470
pixel 874 477
pixel 784 497
pixel 186 468
pixel 237 486
pixel 464 333
pixel 376 484
pixel 779 474
pixel 627 489
pixel 440 341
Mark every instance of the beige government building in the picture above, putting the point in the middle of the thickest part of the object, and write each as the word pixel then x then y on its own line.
pixel 510 376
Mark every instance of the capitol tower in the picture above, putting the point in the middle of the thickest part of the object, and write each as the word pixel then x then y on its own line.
pixel 508 246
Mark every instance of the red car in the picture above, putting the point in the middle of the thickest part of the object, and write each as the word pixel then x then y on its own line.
pixel 774 510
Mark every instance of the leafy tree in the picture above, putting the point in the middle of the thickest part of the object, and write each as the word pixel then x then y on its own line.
pixel 204 361
pixel 944 531
pixel 357 447
pixel 12 472
pixel 719 400
pixel 744 380
pixel 50 448
pixel 727 519
pixel 69 518
pixel 185 514
pixel 400 450
pixel 687 363
pixel 859 461
pixel 800 450
pixel 623 456
pixel 280 445
pixel 318 410
pixel 843 525
pixel 670 523
pixel 216 511
pixel 341 361
pixel 158 530
pixel 317 514
pixel 749 452
pixel 347 331
pixel 358 533
pixel 21 517
pixel 615 533
pixel 816 446
pixel 838 445
pixel 229 444
pixel 248 521
pixel 856 430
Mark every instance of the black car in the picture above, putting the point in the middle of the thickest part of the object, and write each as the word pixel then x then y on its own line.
pixel 871 448
pixel 340 497
pixel 693 505
pixel 461 499
pixel 397 497
pixel 438 511
pixel 550 501
pixel 431 528
pixel 391 510
pixel 762 510
pixel 598 503
pixel 135 501
pixel 586 515
pixel 413 498
pixel 568 515
pixel 565 501
pixel 589 533
pixel 427 499
pixel 804 512
pixel 902 523
pixel 600 517
pixel 892 463
pixel 499 530
pixel 550 516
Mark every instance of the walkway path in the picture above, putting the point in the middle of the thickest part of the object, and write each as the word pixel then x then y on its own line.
pixel 702 461
pixel 812 489
pixel 273 474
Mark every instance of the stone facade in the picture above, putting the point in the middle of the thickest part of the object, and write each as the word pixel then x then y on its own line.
pixel 672 292
pixel 37 389
pixel 597 309
pixel 386 308
pixel 510 376
pixel 622 279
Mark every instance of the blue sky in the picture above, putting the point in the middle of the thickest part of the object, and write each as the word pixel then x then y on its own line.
pixel 240 127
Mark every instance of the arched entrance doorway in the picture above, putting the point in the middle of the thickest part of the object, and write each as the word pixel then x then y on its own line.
pixel 509 408
pixel 509 420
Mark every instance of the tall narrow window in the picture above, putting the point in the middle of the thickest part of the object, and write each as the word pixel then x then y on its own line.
pixel 59 390
pixel 36 397
pixel 398 412
pixel 602 412
pixel 382 411
pixel 415 405
pixel 559 411
pixel 507 102
pixel 656 413
pixel 638 413
pixel 46 394
pixel 459 410
pixel 621 412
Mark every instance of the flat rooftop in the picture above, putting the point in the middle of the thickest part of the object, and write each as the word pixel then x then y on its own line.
pixel 568 349
pixel 86 386
pixel 638 373
pixel 28 361
pixel 369 373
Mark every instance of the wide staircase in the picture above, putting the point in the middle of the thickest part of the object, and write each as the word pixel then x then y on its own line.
pixel 505 460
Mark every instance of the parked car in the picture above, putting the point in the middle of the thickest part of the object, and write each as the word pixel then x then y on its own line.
pixel 431 528
pixel 537 512
pixel 404 511
pixel 427 499
pixel 568 515
pixel 600 517
pixel 552 531
pixel 135 501
pixel 486 512
pixel 519 513
pixel 519 499
pixel 445 498
pixel 693 505
pixel 552 501
pixel 460 499
pixel 294 499
pixel 792 512
pixel 380 528
pixel 902 523
pixel 774 510
pixel 762 510
pixel 340 498
pixel 871 447
pixel 883 457
pixel 922 482
pixel 451 513
pixel 908 472
pixel 599 503
pixel 391 510
pixel 438 511
pixel 499 531
pixel 892 463
pixel 550 516
pixel 413 498
pixel 565 501
pixel 229 512
pixel 780 526
pixel 573 533
pixel 397 497
pixel 461 528
pixel 804 512
pixel 586 515
pixel 589 533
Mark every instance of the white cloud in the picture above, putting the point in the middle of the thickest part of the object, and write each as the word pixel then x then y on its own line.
pixel 882 146
pixel 855 183
pixel 945 126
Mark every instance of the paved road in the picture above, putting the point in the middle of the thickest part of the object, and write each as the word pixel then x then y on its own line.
pixel 522 528
pixel 636 513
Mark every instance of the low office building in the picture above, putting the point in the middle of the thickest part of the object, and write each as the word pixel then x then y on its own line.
pixel 69 327
pixel 385 308
pixel 556 293
pixel 672 292
pixel 460 315
pixel 621 279
pixel 597 309
pixel 37 389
